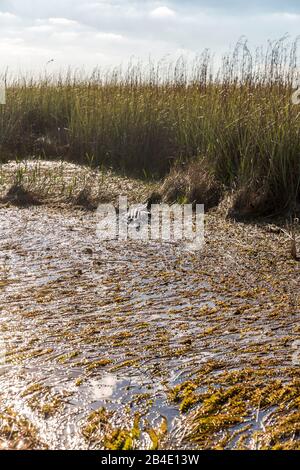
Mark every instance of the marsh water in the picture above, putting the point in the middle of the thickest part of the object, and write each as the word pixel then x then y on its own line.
pixel 87 324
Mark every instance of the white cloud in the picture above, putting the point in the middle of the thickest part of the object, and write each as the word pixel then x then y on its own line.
pixel 62 22
pixel 109 32
pixel 287 17
pixel 7 16
pixel 110 37
pixel 40 28
pixel 162 12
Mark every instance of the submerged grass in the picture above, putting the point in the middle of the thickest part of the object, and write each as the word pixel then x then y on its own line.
pixel 17 433
pixel 240 121
pixel 238 303
pixel 241 394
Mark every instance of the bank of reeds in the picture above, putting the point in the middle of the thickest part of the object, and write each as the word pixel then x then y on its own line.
pixel 240 121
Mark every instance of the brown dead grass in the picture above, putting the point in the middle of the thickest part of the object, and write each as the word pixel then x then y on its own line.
pixel 32 182
pixel 192 183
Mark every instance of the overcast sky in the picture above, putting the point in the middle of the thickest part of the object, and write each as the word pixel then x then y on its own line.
pixel 109 32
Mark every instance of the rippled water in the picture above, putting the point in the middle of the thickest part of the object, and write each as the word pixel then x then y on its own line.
pixel 68 300
pixel 86 323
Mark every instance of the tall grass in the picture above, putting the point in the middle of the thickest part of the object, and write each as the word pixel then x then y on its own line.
pixel 239 119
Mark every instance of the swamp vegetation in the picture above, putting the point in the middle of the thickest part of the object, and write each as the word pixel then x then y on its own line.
pixel 239 121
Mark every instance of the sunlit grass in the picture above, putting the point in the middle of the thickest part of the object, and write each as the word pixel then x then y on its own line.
pixel 240 120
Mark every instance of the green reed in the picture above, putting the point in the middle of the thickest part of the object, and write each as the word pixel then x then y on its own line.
pixel 240 118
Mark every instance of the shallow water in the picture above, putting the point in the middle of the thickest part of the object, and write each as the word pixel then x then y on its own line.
pixel 92 324
pixel 63 292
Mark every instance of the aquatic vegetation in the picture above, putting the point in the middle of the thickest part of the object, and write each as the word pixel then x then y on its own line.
pixel 36 387
pixel 282 435
pixel 17 433
pixel 100 430
pixel 129 363
pixel 52 182
pixel 98 364
pixel 184 394
pixel 17 357
pixel 67 357
pixel 46 402
pixel 19 196
pixel 95 422
pixel 241 394
pixel 200 352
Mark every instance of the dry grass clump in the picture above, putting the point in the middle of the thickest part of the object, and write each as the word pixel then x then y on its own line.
pixel 251 202
pixel 248 203
pixel 192 183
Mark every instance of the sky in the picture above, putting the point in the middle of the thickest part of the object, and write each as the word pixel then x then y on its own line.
pixel 55 34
